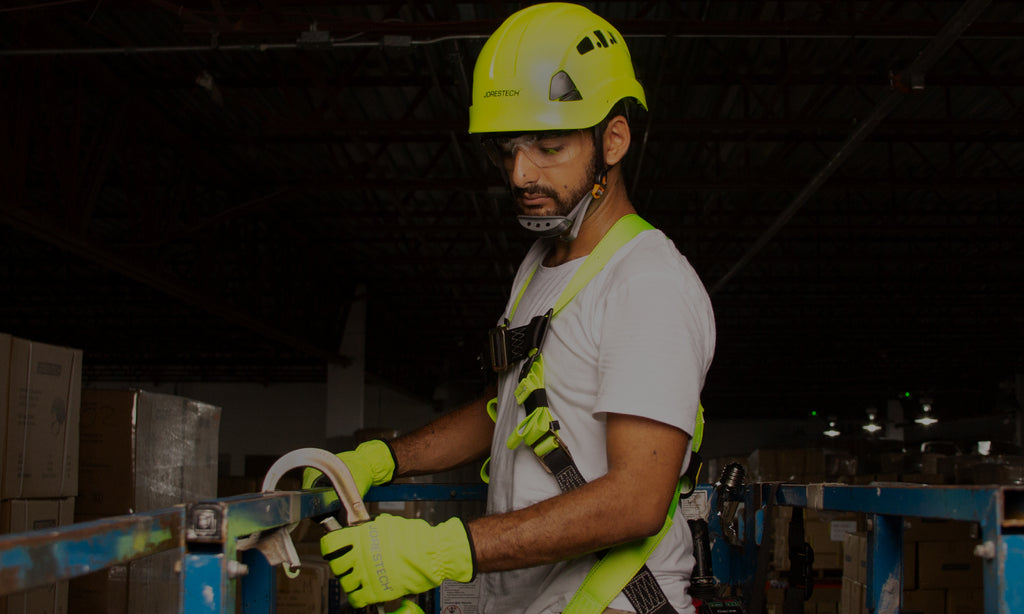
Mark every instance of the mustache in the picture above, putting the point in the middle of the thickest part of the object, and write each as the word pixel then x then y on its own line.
pixel 534 190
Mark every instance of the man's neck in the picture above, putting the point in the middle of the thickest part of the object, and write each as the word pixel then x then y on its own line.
pixel 601 216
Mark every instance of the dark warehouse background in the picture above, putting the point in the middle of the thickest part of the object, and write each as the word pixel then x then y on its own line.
pixel 199 191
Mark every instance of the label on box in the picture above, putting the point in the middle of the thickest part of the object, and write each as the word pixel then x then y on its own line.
pixel 459 598
pixel 839 528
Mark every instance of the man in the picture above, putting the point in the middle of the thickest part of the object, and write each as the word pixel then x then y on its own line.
pixel 615 369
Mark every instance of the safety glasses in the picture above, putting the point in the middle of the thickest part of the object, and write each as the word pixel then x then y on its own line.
pixel 543 149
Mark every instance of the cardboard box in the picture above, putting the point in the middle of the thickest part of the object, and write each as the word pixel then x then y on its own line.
pixel 826 599
pixel 824 530
pixel 947 565
pixel 935 479
pixel 938 529
pixel 762 465
pixel 22 515
pixel 40 393
pixel 793 465
pixel 965 601
pixel 853 597
pixel 149 585
pixel 924 602
pixel 104 591
pixel 142 451
pixel 314 591
pixel 855 557
pixel 999 470
pixel 910 566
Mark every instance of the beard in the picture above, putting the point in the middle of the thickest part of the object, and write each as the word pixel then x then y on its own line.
pixel 567 201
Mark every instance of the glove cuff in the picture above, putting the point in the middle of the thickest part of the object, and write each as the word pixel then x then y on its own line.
pixel 457 555
pixel 381 460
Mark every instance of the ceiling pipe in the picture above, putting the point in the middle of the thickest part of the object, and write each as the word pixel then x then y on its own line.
pixel 323 40
pixel 912 77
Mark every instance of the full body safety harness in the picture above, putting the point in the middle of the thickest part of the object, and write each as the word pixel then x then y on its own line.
pixel 622 568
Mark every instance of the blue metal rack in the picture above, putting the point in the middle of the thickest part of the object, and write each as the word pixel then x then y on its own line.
pixel 215 571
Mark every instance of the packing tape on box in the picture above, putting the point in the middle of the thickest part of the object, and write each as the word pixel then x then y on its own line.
pixel 816 496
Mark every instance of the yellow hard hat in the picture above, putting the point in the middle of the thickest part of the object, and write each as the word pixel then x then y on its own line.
pixel 554 66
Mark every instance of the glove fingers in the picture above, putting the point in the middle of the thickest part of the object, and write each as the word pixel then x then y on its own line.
pixel 351 584
pixel 310 477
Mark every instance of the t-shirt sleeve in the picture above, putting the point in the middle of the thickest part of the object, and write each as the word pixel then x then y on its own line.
pixel 657 341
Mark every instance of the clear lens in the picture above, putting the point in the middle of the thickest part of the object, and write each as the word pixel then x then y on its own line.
pixel 543 149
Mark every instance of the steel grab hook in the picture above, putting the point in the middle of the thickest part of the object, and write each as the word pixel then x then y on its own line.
pixel 331 466
pixel 348 493
pixel 277 545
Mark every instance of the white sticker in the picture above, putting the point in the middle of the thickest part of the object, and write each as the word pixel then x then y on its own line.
pixel 839 528
pixel 460 598
pixel 696 506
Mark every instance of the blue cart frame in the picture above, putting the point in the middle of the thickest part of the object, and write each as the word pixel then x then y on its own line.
pixel 214 571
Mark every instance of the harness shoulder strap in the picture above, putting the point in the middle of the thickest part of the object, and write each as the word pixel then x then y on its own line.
pixel 622 232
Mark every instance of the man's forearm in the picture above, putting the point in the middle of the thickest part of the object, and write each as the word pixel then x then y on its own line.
pixel 459 437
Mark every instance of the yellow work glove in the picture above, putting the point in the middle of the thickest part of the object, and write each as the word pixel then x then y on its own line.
pixel 371 464
pixel 391 557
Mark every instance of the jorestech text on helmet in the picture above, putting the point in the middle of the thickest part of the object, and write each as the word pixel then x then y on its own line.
pixel 500 93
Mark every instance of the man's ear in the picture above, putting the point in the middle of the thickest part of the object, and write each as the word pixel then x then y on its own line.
pixel 616 140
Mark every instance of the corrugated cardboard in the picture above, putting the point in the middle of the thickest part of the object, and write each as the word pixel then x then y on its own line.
pixel 103 591
pixel 142 451
pixel 924 602
pixel 793 465
pixel 855 557
pixel 40 392
pixel 938 529
pixel 965 601
pixel 19 516
pixel 947 565
pixel 853 597
pixel 150 585
pixel 824 530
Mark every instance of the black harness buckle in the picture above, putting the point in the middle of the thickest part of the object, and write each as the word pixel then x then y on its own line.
pixel 508 346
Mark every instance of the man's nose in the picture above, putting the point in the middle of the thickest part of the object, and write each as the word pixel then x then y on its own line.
pixel 523 171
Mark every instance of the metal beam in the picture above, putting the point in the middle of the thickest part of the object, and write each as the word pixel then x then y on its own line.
pixel 916 71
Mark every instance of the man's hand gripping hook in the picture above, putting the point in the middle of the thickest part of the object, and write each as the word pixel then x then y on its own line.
pixel 277 546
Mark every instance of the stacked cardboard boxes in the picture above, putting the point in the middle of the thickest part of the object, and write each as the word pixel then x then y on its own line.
pixel 940 572
pixel 825 531
pixel 855 573
pixel 945 570
pixel 140 452
pixel 40 388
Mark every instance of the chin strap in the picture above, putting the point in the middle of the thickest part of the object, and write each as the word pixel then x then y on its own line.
pixel 549 226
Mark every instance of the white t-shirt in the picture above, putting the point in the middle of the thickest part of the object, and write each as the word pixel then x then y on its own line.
pixel 638 340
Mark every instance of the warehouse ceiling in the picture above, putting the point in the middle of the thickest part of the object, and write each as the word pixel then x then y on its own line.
pixel 205 190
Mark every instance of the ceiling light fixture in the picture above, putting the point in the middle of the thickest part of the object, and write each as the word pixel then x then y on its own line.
pixel 832 431
pixel 926 417
pixel 872 426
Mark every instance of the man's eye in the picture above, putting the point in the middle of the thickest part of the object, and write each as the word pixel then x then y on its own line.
pixel 552 150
